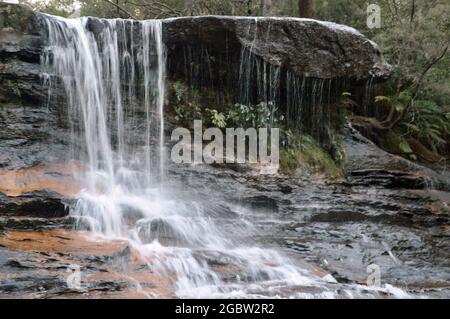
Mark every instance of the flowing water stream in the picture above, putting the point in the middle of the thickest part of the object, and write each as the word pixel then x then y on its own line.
pixel 115 85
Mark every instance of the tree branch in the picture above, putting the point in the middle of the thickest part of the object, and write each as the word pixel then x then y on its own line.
pixel 413 11
pixel 157 8
pixel 390 123
pixel 121 9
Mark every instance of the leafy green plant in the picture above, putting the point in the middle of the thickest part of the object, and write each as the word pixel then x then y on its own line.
pixel 179 90
pixel 405 147
pixel 429 123
pixel 301 152
pixel 259 115
pixel 426 122
pixel 217 118
pixel 383 99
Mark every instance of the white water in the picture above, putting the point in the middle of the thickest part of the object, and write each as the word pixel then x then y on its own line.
pixel 115 84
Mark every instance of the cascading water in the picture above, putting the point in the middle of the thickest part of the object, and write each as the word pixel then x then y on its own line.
pixel 95 70
pixel 113 73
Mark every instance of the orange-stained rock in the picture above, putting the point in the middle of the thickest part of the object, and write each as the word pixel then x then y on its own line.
pixel 52 177
pixel 109 263
pixel 60 241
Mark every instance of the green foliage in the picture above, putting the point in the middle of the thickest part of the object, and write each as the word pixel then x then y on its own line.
pixel 184 111
pixel 218 119
pixel 383 99
pixel 428 123
pixel 409 41
pixel 151 9
pixel 405 147
pixel 63 8
pixel 260 115
pixel 185 114
pixel 298 152
pixel 189 105
pixel 179 90
pixel 302 153
pixel 411 35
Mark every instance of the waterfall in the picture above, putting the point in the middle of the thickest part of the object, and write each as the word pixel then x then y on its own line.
pixel 303 103
pixel 113 75
pixel 106 76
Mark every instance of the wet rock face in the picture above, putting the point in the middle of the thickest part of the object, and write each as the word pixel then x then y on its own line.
pixel 35 132
pixel 21 33
pixel 36 204
pixel 30 129
pixel 21 41
pixel 38 263
pixel 366 165
pixel 309 48
pixel 338 227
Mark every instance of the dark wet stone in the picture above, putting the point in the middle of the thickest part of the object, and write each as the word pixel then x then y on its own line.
pixel 368 165
pixel 352 216
pixel 36 204
pixel 19 264
pixel 261 202
pixel 107 286
pixel 31 223
pixel 286 189
pixel 309 48
pixel 161 230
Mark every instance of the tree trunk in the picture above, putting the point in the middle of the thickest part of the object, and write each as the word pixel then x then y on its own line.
pixel 188 4
pixel 307 8
pixel 249 7
pixel 266 7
